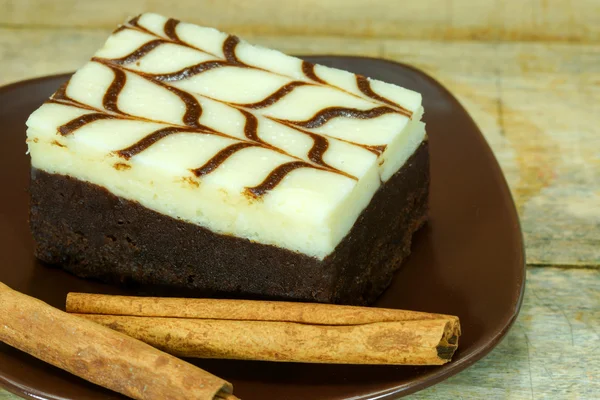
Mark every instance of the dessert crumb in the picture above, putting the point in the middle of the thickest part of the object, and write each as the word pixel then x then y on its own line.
pixel 190 181
pixel 121 166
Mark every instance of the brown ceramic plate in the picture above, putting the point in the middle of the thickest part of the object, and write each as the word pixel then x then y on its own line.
pixel 467 261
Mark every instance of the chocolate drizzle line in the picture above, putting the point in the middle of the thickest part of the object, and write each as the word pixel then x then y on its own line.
pixel 309 71
pixel 171 29
pixel 275 97
pixel 193 110
pixel 139 52
pixel 276 176
pixel 155 136
pixel 320 146
pixel 221 157
pixel 365 87
pixel 375 149
pixel 188 72
pixel 229 50
pixel 135 24
pixel 363 84
pixel 327 114
pixel 111 97
pixel 78 122
pixel 251 127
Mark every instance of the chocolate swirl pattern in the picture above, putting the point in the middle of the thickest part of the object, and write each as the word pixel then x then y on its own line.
pixel 275 177
pixel 171 29
pixel 112 93
pixel 251 128
pixel 188 72
pixel 309 71
pixel 138 53
pixel 318 149
pixel 73 125
pixel 275 97
pixel 157 135
pixel 365 87
pixel 326 115
pixel 193 109
pixel 229 50
pixel 220 158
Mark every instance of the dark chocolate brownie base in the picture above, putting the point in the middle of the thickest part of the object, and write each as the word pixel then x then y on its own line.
pixel 92 233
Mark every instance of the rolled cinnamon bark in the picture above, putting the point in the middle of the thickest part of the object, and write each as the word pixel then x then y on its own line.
pixel 101 355
pixel 276 331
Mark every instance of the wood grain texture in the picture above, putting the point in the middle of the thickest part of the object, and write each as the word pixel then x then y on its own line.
pixel 536 104
pixel 564 20
pixel 550 353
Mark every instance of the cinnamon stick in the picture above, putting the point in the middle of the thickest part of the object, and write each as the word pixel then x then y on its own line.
pixel 276 331
pixel 101 355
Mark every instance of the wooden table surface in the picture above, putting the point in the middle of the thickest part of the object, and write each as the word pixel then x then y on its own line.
pixel 529 74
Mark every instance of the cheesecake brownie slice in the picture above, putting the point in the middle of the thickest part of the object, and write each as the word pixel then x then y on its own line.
pixel 183 157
